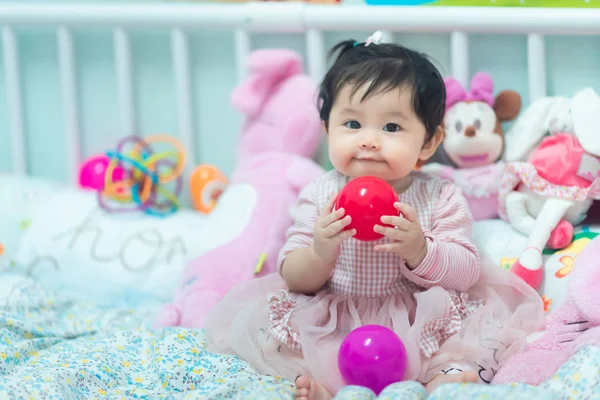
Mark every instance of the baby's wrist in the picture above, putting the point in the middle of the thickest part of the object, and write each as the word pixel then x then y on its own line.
pixel 323 262
pixel 415 261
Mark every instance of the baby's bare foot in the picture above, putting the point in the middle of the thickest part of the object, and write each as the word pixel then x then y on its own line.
pixel 309 389
pixel 461 377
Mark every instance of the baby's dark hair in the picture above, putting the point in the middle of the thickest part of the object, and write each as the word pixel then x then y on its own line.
pixel 385 67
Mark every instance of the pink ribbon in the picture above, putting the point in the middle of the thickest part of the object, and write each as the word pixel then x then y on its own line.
pixel 482 89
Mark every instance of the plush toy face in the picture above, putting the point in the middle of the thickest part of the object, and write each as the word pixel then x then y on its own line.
pixel 472 139
pixel 561 120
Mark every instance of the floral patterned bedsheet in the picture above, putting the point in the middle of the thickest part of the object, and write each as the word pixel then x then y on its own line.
pixel 55 347
pixel 52 347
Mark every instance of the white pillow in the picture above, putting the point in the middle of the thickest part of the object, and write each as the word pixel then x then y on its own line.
pixel 18 197
pixel 75 246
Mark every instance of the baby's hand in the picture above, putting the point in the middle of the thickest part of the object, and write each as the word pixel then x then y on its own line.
pixel 408 238
pixel 329 232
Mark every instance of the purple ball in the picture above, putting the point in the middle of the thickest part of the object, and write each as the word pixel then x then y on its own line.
pixel 372 356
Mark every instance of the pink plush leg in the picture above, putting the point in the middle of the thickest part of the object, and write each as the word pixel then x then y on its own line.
pixel 533 366
pixel 533 277
pixel 561 236
pixel 196 306
pixel 169 315
pixel 531 262
pixel 565 331
pixel 190 310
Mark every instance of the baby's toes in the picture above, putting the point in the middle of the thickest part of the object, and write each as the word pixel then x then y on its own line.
pixel 468 377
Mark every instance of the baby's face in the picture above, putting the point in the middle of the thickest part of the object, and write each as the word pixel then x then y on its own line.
pixel 380 136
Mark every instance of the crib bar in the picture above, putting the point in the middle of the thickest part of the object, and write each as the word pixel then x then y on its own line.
pixel 68 80
pixel 536 60
pixel 183 83
pixel 283 17
pixel 459 50
pixel 503 20
pixel 14 97
pixel 291 17
pixel 208 16
pixel 243 47
pixel 124 82
pixel 316 55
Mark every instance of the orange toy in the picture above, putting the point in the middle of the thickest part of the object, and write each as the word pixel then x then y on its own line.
pixel 207 183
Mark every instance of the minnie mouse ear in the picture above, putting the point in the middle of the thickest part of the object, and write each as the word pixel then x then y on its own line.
pixel 585 107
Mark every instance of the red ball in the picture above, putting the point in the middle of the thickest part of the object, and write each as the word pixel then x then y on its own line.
pixel 366 200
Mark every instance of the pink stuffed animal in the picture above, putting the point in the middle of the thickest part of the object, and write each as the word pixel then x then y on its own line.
pixel 574 325
pixel 475 140
pixel 282 130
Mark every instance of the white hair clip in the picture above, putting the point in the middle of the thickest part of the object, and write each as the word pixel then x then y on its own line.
pixel 374 38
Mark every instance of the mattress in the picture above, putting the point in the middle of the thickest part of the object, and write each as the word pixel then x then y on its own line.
pixel 52 347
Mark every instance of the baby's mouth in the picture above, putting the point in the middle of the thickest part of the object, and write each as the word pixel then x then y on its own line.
pixel 368 159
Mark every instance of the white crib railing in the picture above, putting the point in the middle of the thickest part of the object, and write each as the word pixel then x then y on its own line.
pixel 243 20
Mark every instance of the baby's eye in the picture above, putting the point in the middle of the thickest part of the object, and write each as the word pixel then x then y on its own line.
pixel 352 125
pixel 391 127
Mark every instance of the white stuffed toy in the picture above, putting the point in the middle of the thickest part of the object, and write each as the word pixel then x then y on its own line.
pixel 545 196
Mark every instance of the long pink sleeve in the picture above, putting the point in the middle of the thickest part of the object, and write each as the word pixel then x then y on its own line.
pixel 304 214
pixel 452 260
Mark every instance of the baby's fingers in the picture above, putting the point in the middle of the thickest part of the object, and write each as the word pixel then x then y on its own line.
pixel 332 217
pixel 396 221
pixel 343 236
pixel 392 233
pixel 334 228
pixel 387 248
pixel 329 206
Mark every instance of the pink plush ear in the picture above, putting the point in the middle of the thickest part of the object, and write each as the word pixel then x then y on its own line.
pixel 278 63
pixel 482 88
pixel 267 68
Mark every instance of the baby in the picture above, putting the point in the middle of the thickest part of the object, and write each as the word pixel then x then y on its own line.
pixel 382 106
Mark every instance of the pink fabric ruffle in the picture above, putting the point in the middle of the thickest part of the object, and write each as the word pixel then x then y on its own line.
pixel 523 173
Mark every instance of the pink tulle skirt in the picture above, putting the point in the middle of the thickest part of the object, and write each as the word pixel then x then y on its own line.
pixel 433 324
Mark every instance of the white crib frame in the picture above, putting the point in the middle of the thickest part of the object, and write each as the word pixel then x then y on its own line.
pixel 245 18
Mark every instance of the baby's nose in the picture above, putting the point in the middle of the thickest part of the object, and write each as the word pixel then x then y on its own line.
pixel 370 143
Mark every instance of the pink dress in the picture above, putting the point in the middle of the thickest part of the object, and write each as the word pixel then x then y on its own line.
pixel 449 311
pixel 558 167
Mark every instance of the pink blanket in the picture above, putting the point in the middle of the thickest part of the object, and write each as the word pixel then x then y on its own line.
pixel 574 325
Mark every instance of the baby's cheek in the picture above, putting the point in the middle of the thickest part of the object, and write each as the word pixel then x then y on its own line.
pixel 337 160
pixel 339 154
pixel 404 158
